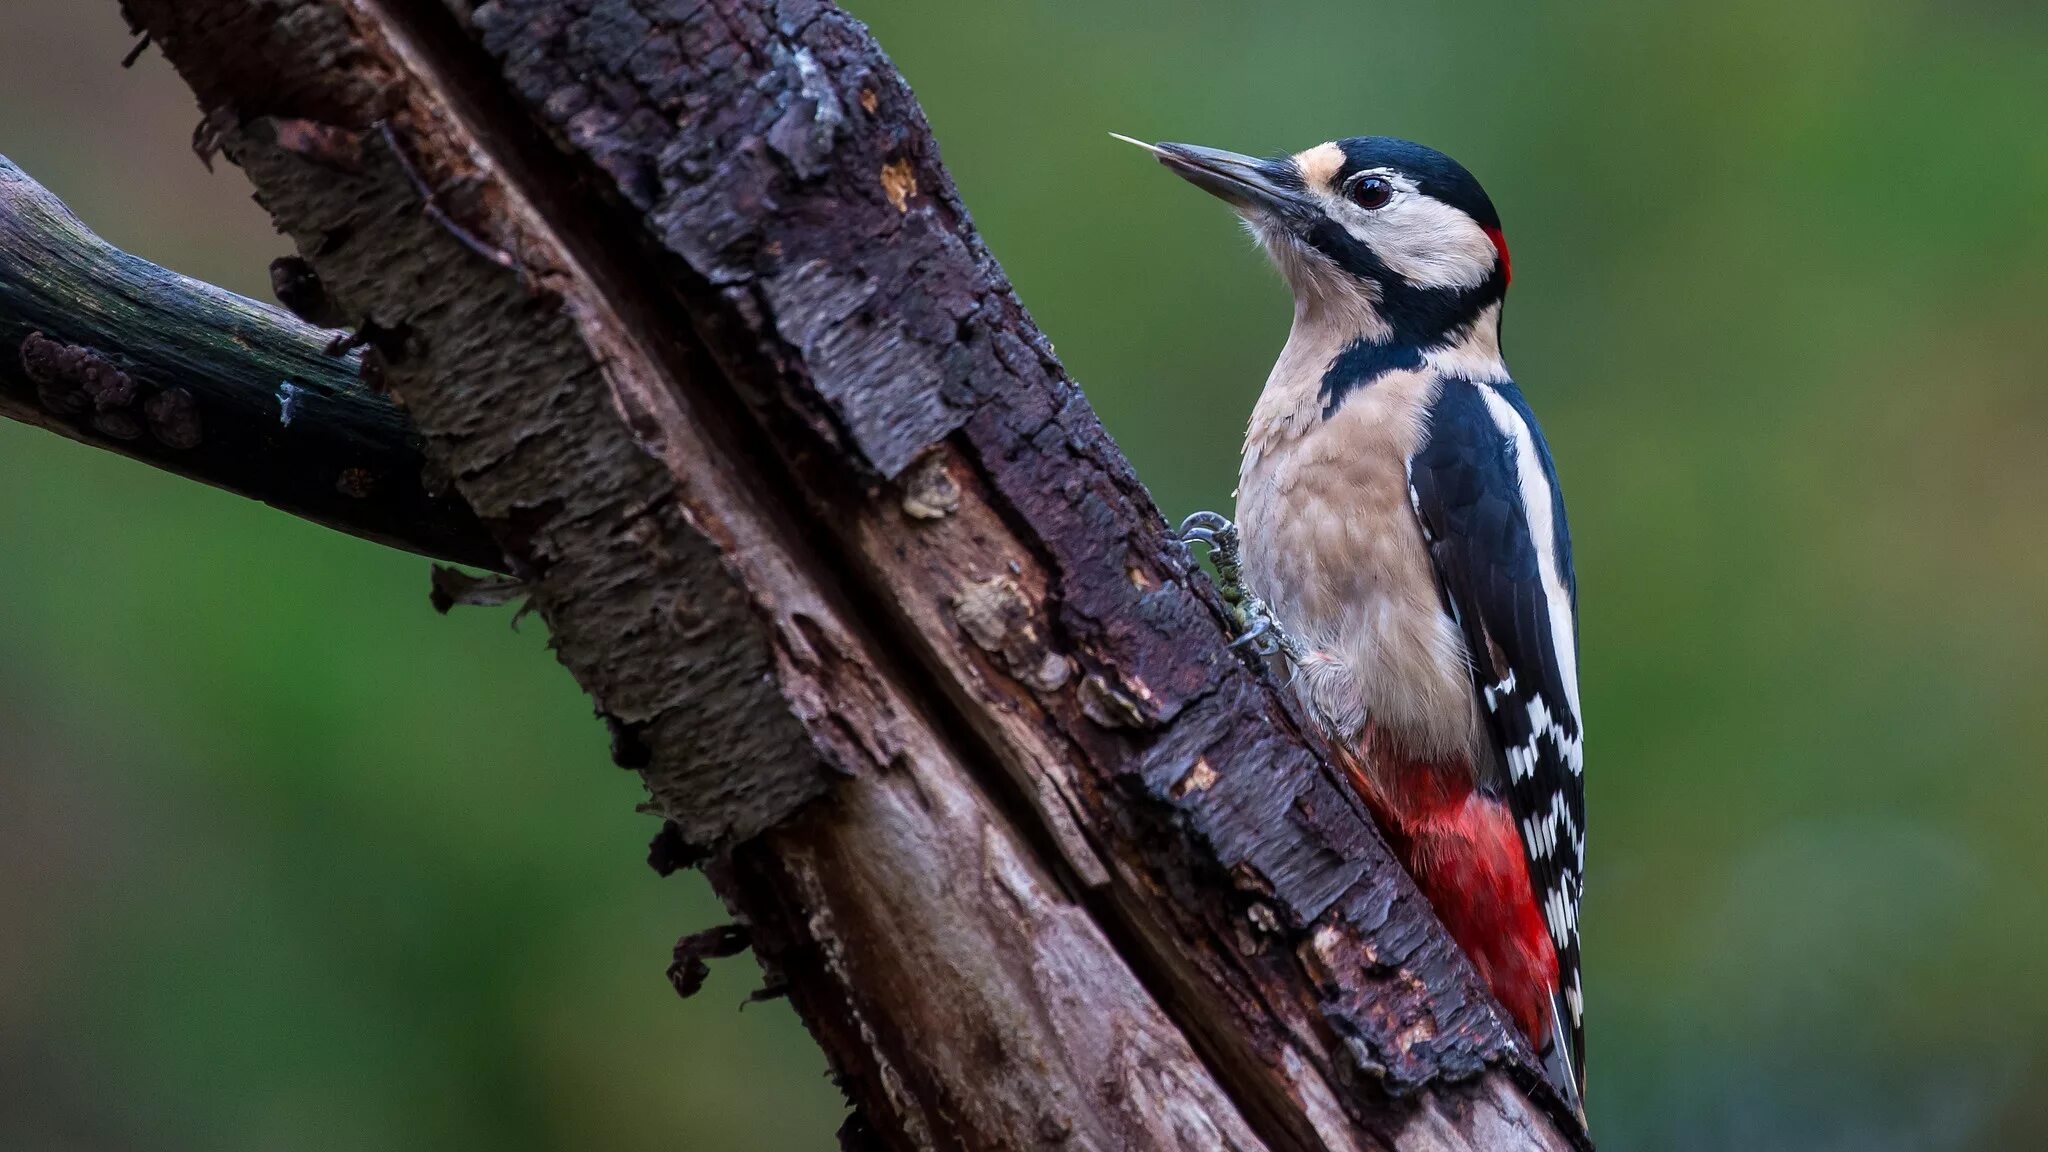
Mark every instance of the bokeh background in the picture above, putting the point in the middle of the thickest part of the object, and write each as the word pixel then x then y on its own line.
pixel 286 861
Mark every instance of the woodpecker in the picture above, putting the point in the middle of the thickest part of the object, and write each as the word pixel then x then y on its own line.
pixel 1400 543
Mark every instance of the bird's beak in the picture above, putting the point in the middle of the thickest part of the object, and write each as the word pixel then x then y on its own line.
pixel 1248 184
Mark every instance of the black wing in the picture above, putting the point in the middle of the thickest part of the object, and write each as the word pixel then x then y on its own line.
pixel 1505 572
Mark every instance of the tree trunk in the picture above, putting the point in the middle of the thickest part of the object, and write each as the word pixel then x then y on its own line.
pixel 678 294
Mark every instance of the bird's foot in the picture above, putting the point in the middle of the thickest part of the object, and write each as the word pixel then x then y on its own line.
pixel 1256 627
pixel 1259 631
pixel 1220 536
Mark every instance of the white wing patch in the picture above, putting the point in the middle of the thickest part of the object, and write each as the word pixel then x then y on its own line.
pixel 1495 693
pixel 1536 506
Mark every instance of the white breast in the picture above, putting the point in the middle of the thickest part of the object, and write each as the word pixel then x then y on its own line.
pixel 1331 542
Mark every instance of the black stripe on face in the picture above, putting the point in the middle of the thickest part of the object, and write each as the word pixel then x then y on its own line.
pixel 1423 320
pixel 1419 316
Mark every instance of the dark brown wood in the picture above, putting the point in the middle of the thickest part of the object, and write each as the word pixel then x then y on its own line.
pixel 892 630
pixel 113 351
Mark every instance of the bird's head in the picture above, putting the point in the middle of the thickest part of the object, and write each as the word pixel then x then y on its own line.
pixel 1393 235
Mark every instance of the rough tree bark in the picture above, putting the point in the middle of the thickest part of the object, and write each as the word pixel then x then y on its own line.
pixel 692 316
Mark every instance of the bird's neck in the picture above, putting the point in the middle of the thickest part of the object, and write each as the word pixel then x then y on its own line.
pixel 1392 311
pixel 1334 351
pixel 1472 350
pixel 1327 328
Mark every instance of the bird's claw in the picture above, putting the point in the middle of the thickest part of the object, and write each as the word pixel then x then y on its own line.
pixel 1257 629
pixel 1263 634
pixel 1260 630
pixel 1220 537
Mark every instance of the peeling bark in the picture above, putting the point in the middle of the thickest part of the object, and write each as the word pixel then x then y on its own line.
pixel 704 336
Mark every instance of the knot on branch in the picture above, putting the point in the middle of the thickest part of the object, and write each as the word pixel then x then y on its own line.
pixel 74 380
pixel 81 375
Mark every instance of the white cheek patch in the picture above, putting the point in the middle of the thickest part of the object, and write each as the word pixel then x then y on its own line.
pixel 1425 241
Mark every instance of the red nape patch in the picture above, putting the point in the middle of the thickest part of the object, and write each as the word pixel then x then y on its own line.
pixel 1500 245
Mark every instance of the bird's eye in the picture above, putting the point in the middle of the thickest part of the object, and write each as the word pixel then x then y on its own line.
pixel 1369 192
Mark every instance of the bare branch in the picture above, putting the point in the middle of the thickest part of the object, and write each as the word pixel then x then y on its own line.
pixel 113 351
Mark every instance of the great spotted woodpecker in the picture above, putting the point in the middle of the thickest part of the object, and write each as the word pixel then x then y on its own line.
pixel 1401 539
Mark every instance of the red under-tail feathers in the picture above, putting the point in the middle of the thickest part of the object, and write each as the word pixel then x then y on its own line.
pixel 1461 847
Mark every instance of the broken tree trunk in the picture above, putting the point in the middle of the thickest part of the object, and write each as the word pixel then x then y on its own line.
pixel 696 324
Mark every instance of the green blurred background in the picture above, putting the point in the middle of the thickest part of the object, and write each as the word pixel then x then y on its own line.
pixel 286 861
